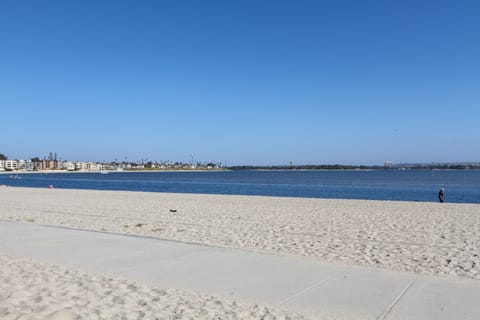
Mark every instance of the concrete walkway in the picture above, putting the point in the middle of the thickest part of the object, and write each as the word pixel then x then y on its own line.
pixel 303 285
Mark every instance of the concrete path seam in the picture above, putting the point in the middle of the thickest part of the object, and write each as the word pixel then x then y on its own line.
pixel 396 300
pixel 304 290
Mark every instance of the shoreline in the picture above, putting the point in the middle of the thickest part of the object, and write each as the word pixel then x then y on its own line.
pixel 226 170
pixel 419 237
pixel 108 171
pixel 239 195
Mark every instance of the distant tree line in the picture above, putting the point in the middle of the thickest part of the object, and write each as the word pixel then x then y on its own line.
pixel 359 167
pixel 307 167
pixel 446 166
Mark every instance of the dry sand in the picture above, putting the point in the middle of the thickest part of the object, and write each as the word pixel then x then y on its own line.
pixel 31 290
pixel 429 238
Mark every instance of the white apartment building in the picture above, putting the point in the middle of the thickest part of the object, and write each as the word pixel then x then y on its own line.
pixel 69 166
pixel 81 166
pixel 11 164
pixel 29 166
pixel 2 165
pixel 87 166
pixel 92 166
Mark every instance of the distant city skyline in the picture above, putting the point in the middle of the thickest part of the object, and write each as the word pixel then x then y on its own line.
pixel 257 83
pixel 53 157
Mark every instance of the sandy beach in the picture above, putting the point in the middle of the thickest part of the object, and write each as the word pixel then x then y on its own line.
pixel 424 238
pixel 39 290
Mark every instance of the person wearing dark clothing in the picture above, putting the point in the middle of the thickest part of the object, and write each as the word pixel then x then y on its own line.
pixel 440 195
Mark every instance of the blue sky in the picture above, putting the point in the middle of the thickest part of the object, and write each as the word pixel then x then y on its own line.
pixel 247 82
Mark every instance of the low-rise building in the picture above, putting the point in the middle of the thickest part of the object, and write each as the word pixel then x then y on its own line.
pixel 68 165
pixel 11 164
pixel 29 165
pixel 39 165
pixel 93 166
pixel 80 166
pixel 2 165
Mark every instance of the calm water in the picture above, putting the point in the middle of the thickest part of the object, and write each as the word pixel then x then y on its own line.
pixel 418 185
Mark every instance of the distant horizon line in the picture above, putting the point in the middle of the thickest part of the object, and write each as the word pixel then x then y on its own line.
pixel 53 157
pixel 286 165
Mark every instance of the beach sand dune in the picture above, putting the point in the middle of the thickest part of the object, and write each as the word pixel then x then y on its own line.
pixel 428 238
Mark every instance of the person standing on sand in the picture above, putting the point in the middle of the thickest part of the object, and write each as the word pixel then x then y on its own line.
pixel 440 194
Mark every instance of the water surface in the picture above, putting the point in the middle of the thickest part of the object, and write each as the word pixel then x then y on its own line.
pixel 461 186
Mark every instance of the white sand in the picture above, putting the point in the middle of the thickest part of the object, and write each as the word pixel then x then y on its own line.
pixel 36 290
pixel 429 238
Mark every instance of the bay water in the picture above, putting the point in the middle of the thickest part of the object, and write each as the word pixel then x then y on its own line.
pixel 461 186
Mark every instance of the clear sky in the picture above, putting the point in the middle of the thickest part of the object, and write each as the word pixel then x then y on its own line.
pixel 247 82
